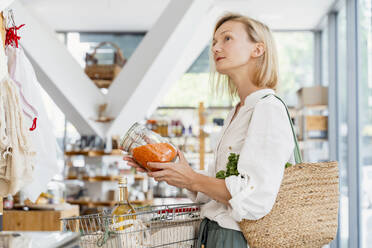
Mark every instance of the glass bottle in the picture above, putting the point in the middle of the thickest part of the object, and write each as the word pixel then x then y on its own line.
pixel 123 207
pixel 146 146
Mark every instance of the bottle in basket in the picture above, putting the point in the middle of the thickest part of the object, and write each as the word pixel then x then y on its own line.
pixel 123 207
pixel 147 146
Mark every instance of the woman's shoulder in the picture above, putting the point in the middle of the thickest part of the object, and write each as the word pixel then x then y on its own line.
pixel 270 102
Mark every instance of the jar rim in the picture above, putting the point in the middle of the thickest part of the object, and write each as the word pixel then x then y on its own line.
pixel 124 141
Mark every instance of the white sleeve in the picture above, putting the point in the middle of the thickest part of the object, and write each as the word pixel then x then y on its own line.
pixel 268 146
pixel 199 197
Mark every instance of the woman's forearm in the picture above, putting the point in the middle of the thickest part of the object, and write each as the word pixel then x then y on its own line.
pixel 213 187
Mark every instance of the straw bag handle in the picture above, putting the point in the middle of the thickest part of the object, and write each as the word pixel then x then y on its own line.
pixel 297 154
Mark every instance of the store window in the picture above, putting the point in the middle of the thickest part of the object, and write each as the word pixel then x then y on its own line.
pixel 295 51
pixel 325 57
pixel 188 91
pixel 296 63
pixel 365 119
pixel 81 43
pixel 194 87
pixel 342 118
pixel 295 66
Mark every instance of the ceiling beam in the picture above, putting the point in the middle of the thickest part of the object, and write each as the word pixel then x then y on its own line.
pixel 196 45
pixel 164 54
pixel 59 73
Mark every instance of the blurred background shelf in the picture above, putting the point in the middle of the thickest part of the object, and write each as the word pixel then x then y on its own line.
pixel 104 178
pixel 115 152
pixel 313 140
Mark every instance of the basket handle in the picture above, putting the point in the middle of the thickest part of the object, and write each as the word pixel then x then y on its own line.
pixel 297 153
pixel 178 210
pixel 118 50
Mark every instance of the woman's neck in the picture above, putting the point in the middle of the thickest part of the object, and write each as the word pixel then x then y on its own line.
pixel 242 80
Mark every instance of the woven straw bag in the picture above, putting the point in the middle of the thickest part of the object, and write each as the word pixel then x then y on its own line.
pixel 305 213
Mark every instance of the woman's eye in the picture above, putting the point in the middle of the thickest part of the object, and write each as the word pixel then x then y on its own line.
pixel 227 38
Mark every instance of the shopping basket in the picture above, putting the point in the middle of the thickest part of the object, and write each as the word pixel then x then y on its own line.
pixel 174 225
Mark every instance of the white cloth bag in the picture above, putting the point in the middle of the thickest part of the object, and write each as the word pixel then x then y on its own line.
pixel 42 139
pixel 16 164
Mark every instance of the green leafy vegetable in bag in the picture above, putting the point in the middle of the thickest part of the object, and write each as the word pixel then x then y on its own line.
pixel 221 174
pixel 231 167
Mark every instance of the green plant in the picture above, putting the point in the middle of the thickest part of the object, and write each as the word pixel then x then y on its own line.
pixel 288 165
pixel 232 167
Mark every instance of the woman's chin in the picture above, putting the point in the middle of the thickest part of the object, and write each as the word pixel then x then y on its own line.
pixel 222 69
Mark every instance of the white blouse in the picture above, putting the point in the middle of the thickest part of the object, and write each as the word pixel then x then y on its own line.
pixel 262 135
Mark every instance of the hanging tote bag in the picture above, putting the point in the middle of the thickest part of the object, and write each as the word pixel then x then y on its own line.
pixel 305 213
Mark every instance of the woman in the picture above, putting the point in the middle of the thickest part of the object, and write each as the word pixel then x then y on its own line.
pixel 257 128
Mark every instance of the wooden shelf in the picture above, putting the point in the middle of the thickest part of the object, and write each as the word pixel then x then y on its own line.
pixel 115 152
pixel 37 220
pixel 139 177
pixel 314 107
pixel 313 140
pixel 107 203
pixel 105 178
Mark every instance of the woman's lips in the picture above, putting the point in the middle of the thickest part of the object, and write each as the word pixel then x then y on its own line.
pixel 219 58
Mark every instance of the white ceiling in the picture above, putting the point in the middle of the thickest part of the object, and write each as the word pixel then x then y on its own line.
pixel 140 15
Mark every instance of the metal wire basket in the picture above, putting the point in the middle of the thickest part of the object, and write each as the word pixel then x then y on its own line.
pixel 168 226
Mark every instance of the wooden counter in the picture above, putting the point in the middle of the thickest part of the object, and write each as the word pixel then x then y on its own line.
pixel 37 220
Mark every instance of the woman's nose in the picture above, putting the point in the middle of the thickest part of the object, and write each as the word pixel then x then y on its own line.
pixel 216 48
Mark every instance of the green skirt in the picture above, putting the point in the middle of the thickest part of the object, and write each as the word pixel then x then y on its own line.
pixel 211 235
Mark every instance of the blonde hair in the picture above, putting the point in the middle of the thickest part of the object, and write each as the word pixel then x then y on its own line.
pixel 267 72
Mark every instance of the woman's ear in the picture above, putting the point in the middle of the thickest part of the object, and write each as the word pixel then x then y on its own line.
pixel 259 50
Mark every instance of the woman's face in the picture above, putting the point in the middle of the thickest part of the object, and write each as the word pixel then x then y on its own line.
pixel 231 47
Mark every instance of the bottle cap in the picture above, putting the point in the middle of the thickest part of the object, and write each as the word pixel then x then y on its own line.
pixel 123 180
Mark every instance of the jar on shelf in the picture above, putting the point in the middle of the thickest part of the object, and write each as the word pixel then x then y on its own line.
pixel 146 146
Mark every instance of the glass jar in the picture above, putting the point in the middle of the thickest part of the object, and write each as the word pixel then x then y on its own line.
pixel 146 146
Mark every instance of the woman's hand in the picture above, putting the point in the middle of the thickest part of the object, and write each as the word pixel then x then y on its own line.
pixel 183 176
pixel 133 163
pixel 177 174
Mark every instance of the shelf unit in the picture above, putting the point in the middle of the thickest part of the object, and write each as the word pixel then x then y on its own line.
pixel 313 119
pixel 92 153
pixel 200 117
pixel 105 178
pixel 101 186
pixel 201 136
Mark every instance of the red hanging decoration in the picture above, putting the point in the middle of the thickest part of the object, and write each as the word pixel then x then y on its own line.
pixel 12 37
pixel 33 124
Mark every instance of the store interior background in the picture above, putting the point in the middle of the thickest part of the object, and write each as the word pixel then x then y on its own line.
pixel 166 43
